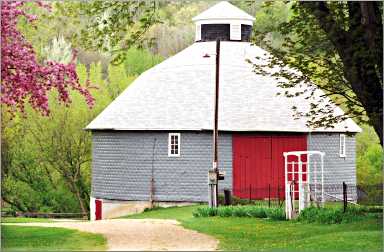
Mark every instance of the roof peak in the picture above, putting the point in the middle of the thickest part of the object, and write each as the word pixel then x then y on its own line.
pixel 223 10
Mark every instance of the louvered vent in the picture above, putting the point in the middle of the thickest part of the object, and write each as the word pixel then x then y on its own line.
pixel 235 32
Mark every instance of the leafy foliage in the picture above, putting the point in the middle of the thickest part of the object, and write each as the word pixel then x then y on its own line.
pixel 241 211
pixel 24 79
pixel 46 160
pixel 46 165
pixel 369 160
pixel 338 47
pixel 176 30
pixel 112 26
pixel 369 165
pixel 333 215
pixel 139 60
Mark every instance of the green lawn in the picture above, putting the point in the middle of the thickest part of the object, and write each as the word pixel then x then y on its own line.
pixel 266 235
pixel 23 238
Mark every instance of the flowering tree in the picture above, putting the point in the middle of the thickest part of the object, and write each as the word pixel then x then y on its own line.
pixel 23 78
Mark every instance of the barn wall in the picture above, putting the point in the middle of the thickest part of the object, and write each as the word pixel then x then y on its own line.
pixel 336 169
pixel 122 161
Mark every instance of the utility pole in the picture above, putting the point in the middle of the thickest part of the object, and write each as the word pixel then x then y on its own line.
pixel 214 173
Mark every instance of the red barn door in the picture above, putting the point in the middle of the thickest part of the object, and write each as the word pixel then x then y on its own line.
pixel 258 163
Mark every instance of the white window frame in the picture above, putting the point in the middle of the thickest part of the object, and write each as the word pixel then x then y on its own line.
pixel 198 32
pixel 342 145
pixel 170 135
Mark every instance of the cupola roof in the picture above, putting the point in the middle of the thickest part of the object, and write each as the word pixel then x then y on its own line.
pixel 223 11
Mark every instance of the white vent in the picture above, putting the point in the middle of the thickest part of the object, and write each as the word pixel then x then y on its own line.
pixel 198 32
pixel 235 32
pixel 342 145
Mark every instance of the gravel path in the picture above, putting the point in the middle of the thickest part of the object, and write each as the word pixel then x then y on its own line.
pixel 141 234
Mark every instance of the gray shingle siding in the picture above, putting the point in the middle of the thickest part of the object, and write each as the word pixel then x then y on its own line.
pixel 336 169
pixel 122 162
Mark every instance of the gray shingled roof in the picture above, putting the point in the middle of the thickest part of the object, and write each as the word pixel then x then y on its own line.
pixel 178 94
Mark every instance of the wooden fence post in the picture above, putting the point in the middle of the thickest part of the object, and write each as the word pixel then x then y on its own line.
pixel 250 188
pixel 345 196
pixel 269 195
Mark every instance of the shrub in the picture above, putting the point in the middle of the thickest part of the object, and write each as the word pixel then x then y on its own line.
pixel 205 212
pixel 372 209
pixel 331 215
pixel 275 213
pixel 257 212
pixel 241 211
pixel 225 211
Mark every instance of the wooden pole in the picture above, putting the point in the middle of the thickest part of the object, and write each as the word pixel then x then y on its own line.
pixel 345 196
pixel 152 182
pixel 216 116
pixel 269 195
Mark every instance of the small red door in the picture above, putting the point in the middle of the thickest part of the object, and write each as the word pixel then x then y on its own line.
pixel 258 163
pixel 98 206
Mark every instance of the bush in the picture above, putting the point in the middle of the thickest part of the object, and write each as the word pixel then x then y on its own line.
pixel 257 212
pixel 275 213
pixel 372 209
pixel 331 215
pixel 241 211
pixel 225 211
pixel 205 212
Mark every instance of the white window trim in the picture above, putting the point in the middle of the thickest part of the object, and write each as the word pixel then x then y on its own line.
pixel 198 32
pixel 342 144
pixel 169 144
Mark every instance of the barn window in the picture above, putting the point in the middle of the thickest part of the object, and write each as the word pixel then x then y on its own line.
pixel 174 145
pixel 342 145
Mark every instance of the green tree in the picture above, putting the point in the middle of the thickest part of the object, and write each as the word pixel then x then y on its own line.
pixel 111 26
pixel 338 46
pixel 176 30
pixel 46 160
pixel 369 160
pixel 139 60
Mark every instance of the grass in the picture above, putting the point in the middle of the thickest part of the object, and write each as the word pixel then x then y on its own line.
pixel 252 234
pixel 23 238
pixel 23 220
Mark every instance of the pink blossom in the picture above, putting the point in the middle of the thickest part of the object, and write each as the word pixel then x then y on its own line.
pixel 24 79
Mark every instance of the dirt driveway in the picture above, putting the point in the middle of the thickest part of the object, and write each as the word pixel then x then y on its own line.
pixel 141 234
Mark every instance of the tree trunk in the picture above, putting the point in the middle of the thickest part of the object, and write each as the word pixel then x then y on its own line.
pixel 360 49
pixel 80 199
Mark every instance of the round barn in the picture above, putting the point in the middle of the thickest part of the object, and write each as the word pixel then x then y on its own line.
pixel 154 142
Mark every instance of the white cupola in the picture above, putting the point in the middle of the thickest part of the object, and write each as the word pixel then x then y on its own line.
pixel 224 21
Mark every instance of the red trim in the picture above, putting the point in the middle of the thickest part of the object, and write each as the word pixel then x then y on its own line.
pixel 98 208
